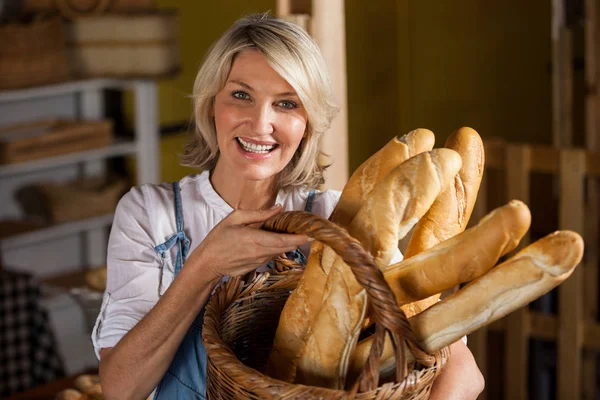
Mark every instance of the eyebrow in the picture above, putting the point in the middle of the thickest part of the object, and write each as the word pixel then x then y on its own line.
pixel 245 85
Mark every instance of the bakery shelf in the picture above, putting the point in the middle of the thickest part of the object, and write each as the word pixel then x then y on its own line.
pixel 55 232
pixel 119 148
pixel 58 89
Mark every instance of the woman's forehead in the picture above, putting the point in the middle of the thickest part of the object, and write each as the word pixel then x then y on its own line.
pixel 251 68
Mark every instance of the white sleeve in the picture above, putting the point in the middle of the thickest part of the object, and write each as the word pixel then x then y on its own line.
pixel 134 268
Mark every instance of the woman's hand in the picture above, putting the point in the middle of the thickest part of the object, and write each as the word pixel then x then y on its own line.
pixel 237 246
pixel 460 378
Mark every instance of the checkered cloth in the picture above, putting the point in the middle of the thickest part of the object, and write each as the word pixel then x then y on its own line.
pixel 28 356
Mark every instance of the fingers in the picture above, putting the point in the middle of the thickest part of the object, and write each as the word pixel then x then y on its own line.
pixel 246 217
pixel 281 242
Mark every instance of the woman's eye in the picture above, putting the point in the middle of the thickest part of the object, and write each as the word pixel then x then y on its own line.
pixel 290 105
pixel 240 95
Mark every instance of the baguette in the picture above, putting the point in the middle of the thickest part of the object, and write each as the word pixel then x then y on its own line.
pixel 296 316
pixel 461 259
pixel 401 199
pixel 304 302
pixel 450 213
pixel 396 203
pixel 364 179
pixel 531 273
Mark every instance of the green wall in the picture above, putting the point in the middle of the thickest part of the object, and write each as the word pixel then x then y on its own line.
pixel 434 64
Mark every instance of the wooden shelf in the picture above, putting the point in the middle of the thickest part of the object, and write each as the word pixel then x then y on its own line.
pixel 117 149
pixel 55 232
pixel 63 88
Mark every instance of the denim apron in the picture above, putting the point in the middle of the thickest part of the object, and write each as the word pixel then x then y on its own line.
pixel 186 376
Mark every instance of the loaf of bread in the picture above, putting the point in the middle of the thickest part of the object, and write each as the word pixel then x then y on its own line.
pixel 460 259
pixel 297 317
pixel 393 207
pixel 531 273
pixel 401 199
pixel 450 213
pixel 304 302
pixel 364 179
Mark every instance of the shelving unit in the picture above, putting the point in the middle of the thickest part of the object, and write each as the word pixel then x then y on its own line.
pixel 88 98
pixel 55 232
pixel 74 246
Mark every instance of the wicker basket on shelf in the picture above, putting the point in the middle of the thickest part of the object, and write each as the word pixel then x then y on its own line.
pixel 64 202
pixel 72 8
pixel 242 317
pixel 32 53
pixel 47 138
pixel 124 45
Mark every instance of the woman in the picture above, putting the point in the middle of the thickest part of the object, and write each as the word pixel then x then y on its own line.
pixel 262 100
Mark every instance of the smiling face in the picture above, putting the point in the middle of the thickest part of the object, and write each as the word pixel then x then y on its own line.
pixel 259 120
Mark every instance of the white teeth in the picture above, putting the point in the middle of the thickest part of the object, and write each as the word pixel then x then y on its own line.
pixel 255 148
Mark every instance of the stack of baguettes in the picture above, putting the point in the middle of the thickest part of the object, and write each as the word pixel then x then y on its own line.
pixel 409 185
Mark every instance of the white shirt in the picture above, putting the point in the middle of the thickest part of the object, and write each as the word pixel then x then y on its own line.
pixel 145 218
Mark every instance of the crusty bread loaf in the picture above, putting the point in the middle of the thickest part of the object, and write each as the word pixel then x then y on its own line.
pixel 297 315
pixel 334 332
pixel 303 304
pixel 394 205
pixel 531 273
pixel 457 260
pixel 462 258
pixel 450 213
pixel 364 179
pixel 401 199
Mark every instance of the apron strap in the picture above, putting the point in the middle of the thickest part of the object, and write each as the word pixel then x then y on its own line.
pixel 179 237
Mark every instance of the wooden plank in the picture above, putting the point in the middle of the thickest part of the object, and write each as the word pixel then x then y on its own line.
pixel 544 159
pixel 562 78
pixel 329 31
pixel 545 327
pixel 284 8
pixel 299 19
pixel 591 237
pixel 518 161
pixel 570 307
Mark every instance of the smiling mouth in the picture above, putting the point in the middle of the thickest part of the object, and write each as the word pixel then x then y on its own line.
pixel 256 148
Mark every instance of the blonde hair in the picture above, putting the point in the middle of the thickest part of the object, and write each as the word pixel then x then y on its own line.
pixel 293 54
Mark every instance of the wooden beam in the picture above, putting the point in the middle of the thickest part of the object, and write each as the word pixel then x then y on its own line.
pixel 591 237
pixel 518 162
pixel 329 31
pixel 570 292
pixel 543 158
pixel 544 326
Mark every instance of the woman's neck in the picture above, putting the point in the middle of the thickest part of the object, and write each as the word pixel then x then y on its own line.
pixel 244 194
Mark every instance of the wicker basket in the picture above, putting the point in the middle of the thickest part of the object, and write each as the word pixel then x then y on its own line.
pixel 64 202
pixel 48 138
pixel 32 53
pixel 242 317
pixel 74 8
pixel 124 45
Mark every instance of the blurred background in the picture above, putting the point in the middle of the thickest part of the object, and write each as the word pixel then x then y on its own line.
pixel 94 98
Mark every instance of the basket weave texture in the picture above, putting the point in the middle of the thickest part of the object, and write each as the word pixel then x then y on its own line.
pixel 65 202
pixel 47 138
pixel 32 53
pixel 242 317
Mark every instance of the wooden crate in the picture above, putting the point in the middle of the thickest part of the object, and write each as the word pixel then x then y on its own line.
pixel 554 183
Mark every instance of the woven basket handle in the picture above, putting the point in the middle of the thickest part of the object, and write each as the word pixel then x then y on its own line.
pixel 388 316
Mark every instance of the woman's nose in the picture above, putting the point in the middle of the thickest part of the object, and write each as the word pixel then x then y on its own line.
pixel 263 120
